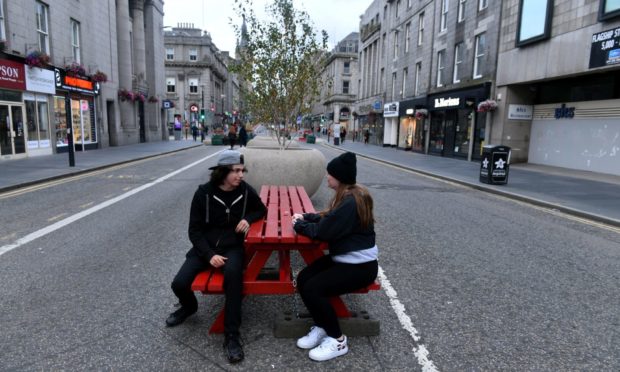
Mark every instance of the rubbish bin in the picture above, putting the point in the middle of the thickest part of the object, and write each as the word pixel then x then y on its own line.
pixel 336 141
pixel 310 138
pixel 495 164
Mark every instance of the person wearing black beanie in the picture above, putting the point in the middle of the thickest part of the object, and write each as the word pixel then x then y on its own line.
pixel 348 227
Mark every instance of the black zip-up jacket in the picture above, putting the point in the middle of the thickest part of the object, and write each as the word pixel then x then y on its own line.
pixel 340 228
pixel 211 228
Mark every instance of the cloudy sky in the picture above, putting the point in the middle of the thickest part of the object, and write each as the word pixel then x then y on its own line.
pixel 337 17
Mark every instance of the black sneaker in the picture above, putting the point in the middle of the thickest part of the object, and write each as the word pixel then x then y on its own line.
pixel 179 316
pixel 232 348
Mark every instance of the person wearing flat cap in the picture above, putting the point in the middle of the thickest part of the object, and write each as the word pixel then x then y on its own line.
pixel 347 225
pixel 220 216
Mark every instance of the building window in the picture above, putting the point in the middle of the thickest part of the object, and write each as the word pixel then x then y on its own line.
pixel 407 36
pixel 42 27
pixel 75 40
pixel 461 12
pixel 608 9
pixel 396 33
pixel 345 87
pixel 393 85
pixel 397 7
pixel 418 75
pixel 443 21
pixel 384 12
pixel 170 54
pixel 458 62
pixel 171 85
pixel 479 55
pixel 2 29
pixel 193 86
pixel 359 91
pixel 534 21
pixel 420 29
pixel 440 67
pixel 403 93
pixel 193 54
pixel 382 78
pixel 408 4
pixel 346 68
pixel 383 41
pixel 482 4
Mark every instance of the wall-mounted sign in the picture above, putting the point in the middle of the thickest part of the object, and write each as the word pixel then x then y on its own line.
pixel 40 80
pixel 564 112
pixel 377 105
pixel 447 102
pixel 409 111
pixel 605 48
pixel 193 108
pixel 166 103
pixel 390 110
pixel 74 84
pixel 12 75
pixel 520 112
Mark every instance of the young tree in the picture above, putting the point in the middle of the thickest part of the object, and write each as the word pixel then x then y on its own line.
pixel 279 64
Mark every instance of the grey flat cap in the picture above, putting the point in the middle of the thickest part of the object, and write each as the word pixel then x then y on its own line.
pixel 228 157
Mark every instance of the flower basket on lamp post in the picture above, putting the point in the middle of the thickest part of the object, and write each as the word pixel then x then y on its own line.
pixel 488 105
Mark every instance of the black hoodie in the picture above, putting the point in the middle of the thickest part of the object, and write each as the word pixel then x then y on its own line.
pixel 211 228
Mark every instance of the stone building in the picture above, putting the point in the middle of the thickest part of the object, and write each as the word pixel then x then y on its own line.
pixel 197 77
pixel 57 53
pixel 558 83
pixel 339 91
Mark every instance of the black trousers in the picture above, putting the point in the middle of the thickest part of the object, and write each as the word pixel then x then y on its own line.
pixel 325 278
pixel 233 285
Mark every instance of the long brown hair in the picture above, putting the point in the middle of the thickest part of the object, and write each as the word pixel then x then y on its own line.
pixel 363 200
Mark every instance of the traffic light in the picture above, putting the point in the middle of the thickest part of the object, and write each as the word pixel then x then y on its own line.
pixel 202 114
pixel 322 119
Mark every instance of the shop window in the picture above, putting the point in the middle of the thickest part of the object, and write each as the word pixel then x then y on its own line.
pixel 534 21
pixel 608 9
pixel 60 121
pixel 42 13
pixel 37 121
pixel 75 40
pixel 81 120
pixel 436 132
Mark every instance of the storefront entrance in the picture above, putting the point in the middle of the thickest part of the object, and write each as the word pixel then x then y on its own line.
pixel 12 133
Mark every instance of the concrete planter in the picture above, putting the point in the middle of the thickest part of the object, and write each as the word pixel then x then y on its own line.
pixel 269 142
pixel 292 167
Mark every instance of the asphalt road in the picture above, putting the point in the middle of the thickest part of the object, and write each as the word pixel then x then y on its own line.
pixel 487 283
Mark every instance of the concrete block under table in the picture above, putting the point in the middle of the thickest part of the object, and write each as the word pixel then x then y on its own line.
pixel 287 325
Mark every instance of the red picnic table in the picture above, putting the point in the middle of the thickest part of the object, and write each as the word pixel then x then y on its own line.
pixel 274 233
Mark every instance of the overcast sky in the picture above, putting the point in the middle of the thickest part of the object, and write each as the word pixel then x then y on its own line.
pixel 338 17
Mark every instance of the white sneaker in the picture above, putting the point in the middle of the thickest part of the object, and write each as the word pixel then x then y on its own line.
pixel 329 349
pixel 312 339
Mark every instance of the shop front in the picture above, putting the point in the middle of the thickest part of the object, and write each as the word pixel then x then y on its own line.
pixel 24 110
pixel 412 115
pixel 370 119
pixel 75 96
pixel 456 129
pixel 390 115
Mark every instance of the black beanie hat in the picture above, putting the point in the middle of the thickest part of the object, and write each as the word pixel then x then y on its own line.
pixel 343 168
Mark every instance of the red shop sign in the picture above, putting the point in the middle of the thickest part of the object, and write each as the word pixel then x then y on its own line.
pixel 12 75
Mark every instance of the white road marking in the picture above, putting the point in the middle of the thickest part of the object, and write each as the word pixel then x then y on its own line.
pixel 60 224
pixel 419 350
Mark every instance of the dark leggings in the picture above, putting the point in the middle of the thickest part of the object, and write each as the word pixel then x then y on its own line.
pixel 325 278
pixel 233 285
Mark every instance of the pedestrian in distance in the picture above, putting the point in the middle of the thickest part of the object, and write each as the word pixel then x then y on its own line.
pixel 220 216
pixel 232 135
pixel 194 131
pixel 366 136
pixel 347 225
pixel 343 133
pixel 178 127
pixel 243 136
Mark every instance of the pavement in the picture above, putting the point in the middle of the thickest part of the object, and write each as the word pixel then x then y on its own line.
pixel 590 195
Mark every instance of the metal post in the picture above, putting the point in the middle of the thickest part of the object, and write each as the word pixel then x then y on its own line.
pixel 69 131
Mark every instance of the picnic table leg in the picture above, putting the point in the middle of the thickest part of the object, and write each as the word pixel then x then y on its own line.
pixel 285 265
pixel 218 324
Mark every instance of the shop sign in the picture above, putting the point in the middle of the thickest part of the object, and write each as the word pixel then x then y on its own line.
pixel 40 80
pixel 520 112
pixel 12 75
pixel 564 112
pixel 605 48
pixel 167 104
pixel 409 111
pixel 447 102
pixel 73 84
pixel 193 108
pixel 377 105
pixel 390 110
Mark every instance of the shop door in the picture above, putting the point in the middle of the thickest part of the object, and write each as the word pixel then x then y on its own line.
pixel 12 134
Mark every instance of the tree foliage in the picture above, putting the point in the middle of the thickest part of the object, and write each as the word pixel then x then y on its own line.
pixel 279 64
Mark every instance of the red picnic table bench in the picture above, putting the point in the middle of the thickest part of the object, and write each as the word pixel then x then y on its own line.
pixel 274 233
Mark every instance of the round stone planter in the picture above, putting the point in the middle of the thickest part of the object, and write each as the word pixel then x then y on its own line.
pixel 292 167
pixel 269 142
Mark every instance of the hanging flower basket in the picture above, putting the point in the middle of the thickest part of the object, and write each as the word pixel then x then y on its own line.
pixel 75 69
pixel 37 59
pixel 139 97
pixel 153 99
pixel 421 114
pixel 126 95
pixel 99 77
pixel 488 105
